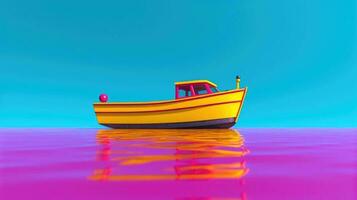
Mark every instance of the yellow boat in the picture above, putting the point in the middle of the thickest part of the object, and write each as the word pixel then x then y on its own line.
pixel 198 104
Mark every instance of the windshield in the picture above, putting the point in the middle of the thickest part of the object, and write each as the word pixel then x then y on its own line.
pixel 213 89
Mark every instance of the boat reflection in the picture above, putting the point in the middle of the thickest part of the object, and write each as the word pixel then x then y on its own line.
pixel 127 155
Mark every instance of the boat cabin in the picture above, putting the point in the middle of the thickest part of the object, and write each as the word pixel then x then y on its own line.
pixel 194 88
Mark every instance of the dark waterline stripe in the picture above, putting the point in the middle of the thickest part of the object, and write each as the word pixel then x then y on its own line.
pixel 217 123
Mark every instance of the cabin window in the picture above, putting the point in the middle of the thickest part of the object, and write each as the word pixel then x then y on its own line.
pixel 184 91
pixel 200 89
pixel 213 89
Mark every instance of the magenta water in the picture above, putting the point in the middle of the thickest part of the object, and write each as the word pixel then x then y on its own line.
pixel 178 164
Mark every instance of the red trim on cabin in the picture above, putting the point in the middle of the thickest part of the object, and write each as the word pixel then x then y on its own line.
pixel 177 92
pixel 208 88
pixel 193 93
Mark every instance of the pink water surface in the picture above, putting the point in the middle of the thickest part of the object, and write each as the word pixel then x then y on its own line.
pixel 178 164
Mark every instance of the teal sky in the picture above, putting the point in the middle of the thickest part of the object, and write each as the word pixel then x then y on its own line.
pixel 298 57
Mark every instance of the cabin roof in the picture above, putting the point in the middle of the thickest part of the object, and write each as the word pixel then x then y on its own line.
pixel 195 81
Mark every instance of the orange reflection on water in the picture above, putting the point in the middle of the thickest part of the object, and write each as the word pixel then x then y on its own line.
pixel 170 155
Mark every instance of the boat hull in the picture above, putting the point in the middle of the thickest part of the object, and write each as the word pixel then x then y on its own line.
pixel 218 110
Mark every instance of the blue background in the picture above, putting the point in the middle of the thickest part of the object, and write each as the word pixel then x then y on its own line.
pixel 297 57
